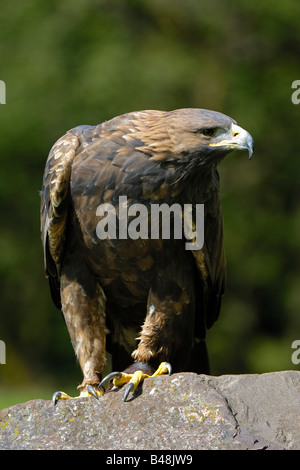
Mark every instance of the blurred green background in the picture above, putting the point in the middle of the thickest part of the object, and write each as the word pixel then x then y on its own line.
pixel 71 62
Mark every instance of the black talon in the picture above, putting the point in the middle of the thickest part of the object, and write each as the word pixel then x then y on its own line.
pixel 91 391
pixel 128 389
pixel 110 376
pixel 55 397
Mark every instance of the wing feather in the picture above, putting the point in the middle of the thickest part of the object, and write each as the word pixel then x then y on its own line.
pixel 210 260
pixel 54 201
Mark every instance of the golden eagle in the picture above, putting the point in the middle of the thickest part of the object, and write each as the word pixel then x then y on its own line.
pixel 146 299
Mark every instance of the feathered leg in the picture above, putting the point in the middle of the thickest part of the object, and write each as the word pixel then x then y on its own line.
pixel 83 307
pixel 167 332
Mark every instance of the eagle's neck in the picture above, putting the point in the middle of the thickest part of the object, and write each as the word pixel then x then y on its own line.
pixel 195 185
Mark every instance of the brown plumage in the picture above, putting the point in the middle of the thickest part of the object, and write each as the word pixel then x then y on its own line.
pixel 149 298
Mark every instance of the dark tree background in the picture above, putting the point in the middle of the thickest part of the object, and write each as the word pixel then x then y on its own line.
pixel 74 62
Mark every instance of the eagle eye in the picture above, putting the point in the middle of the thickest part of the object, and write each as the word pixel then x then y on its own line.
pixel 208 132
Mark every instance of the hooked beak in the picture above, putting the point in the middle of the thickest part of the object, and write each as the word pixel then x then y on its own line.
pixel 239 139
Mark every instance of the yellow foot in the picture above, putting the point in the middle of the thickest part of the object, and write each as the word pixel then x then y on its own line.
pixel 133 380
pixel 88 392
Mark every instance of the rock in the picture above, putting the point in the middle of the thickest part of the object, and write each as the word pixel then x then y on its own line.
pixel 185 411
pixel 267 405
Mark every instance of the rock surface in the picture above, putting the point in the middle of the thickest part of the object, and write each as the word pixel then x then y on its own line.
pixel 185 411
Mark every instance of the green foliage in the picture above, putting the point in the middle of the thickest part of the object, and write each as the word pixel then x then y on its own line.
pixel 75 62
